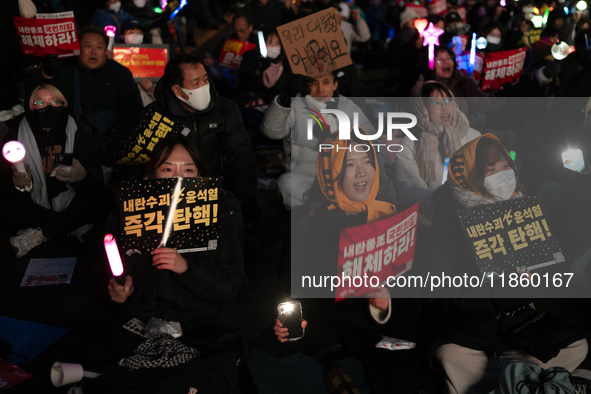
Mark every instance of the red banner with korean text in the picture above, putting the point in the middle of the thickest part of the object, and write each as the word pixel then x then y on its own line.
pixel 142 62
pixel 42 37
pixel 381 249
pixel 501 68
pixel 437 7
pixel 462 13
pixel 233 51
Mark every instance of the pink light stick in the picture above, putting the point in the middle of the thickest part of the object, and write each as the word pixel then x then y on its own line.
pixel 114 257
pixel 14 152
pixel 431 38
pixel 110 31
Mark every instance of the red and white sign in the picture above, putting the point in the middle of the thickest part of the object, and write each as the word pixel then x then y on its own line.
pixel 502 67
pixel 42 37
pixel 232 52
pixel 462 13
pixel 420 10
pixel 437 7
pixel 381 249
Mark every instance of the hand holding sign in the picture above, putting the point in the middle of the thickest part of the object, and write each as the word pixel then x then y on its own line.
pixel 169 259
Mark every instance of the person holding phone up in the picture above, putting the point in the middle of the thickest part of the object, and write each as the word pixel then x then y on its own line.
pixel 336 334
pixel 62 190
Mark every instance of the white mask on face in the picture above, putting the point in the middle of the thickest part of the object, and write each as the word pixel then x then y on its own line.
pixel 139 3
pixel 198 98
pixel 133 38
pixel 502 184
pixel 493 40
pixel 273 52
pixel 115 7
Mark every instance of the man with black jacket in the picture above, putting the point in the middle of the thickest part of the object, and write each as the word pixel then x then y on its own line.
pixel 185 95
pixel 101 92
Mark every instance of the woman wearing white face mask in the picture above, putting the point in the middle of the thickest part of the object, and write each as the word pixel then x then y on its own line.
pixel 263 77
pixel 476 337
pixel 493 32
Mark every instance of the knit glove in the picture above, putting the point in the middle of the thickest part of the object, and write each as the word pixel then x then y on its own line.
pixel 76 173
pixel 297 83
pixel 22 181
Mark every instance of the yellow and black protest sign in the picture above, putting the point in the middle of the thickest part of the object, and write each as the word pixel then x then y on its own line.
pixel 152 128
pixel 510 235
pixel 530 37
pixel 184 216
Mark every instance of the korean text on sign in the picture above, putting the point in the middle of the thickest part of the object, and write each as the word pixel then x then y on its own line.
pixel 502 67
pixel 42 37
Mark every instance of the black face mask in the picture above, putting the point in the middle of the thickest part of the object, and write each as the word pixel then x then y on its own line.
pixel 49 117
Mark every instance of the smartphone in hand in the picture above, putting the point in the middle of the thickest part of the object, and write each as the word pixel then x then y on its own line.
pixel 290 315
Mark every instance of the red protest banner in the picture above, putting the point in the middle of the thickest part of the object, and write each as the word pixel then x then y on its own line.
pixel 420 10
pixel 437 7
pixel 232 52
pixel 501 68
pixel 142 62
pixel 42 37
pixel 381 249
pixel 462 13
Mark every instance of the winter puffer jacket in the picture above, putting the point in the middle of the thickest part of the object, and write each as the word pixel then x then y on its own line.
pixel 223 142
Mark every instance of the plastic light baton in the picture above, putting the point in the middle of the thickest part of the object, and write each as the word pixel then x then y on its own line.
pixel 431 38
pixel 573 160
pixel 473 53
pixel 175 200
pixel 14 152
pixel 445 167
pixel 114 258
pixel 110 31
pixel 262 44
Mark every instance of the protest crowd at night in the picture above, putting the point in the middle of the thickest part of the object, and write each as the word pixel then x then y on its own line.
pixel 295 196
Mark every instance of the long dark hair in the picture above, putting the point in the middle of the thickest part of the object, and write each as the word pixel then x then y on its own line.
pixel 164 148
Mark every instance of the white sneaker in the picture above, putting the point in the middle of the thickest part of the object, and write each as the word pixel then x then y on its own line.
pixel 26 240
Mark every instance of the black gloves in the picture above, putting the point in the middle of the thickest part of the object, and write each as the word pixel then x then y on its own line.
pixel 297 83
pixel 50 64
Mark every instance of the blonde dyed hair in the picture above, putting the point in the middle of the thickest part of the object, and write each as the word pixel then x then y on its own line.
pixel 52 89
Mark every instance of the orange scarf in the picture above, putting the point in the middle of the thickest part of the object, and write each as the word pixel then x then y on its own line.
pixel 328 167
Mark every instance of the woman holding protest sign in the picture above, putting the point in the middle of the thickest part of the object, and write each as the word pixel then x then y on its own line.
pixel 442 128
pixel 476 337
pixel 190 288
pixel 339 338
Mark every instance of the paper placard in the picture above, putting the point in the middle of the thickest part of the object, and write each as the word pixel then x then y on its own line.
pixel 233 51
pixel 42 37
pixel 143 62
pixel 420 10
pixel 436 7
pixel 42 272
pixel 510 235
pixel 382 249
pixel 314 45
pixel 502 67
pixel 146 205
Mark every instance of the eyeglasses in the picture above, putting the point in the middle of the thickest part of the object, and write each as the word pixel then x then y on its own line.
pixel 53 103
pixel 448 102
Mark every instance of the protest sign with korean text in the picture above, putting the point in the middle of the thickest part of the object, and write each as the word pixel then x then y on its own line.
pixel 510 236
pixel 381 249
pixel 48 35
pixel 462 13
pixel 152 128
pixel 233 51
pixel 530 37
pixel 148 215
pixel 147 61
pixel 502 67
pixel 315 45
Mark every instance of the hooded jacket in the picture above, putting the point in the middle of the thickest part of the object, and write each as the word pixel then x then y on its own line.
pixel 486 324
pixel 217 131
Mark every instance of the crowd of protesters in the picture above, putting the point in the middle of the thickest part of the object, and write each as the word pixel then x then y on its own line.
pixel 86 107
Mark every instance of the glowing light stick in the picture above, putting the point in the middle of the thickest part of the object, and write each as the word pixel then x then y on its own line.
pixel 445 167
pixel 174 203
pixel 513 154
pixel 573 160
pixel 14 152
pixel 181 6
pixel 262 44
pixel 503 3
pixel 481 43
pixel 582 5
pixel 114 257
pixel 431 38
pixel 110 31
pixel 545 19
pixel 560 50
pixel 473 53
